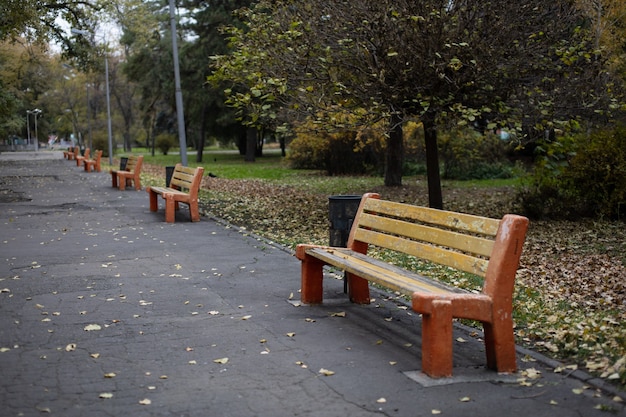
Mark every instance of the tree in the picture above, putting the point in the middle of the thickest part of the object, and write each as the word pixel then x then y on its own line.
pixel 42 20
pixel 440 60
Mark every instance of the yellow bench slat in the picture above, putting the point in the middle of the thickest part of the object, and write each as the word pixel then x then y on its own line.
pixel 463 242
pixel 428 252
pixel 453 220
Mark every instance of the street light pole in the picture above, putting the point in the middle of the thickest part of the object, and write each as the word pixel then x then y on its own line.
pixel 179 95
pixel 108 93
pixel 28 125
pixel 36 112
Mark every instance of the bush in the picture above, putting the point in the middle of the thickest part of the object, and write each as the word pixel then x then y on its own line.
pixel 164 142
pixel 340 153
pixel 467 154
pixel 100 141
pixel 584 175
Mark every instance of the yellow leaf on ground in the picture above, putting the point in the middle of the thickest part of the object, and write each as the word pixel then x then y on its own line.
pixel 92 327
pixel 145 401
pixel 326 372
pixel 223 361
pixel 106 395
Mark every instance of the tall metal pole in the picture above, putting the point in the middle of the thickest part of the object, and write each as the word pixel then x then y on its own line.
pixel 89 117
pixel 28 125
pixel 106 70
pixel 179 95
pixel 36 112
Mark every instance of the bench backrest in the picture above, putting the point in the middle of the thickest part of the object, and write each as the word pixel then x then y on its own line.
pixel 98 155
pixel 134 163
pixel 187 179
pixel 486 247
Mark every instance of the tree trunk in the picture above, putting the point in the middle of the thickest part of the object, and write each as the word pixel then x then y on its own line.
pixel 435 198
pixel 394 154
pixel 251 135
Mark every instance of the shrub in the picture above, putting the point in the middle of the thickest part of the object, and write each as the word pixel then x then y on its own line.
pixel 583 175
pixel 338 153
pixel 466 154
pixel 100 141
pixel 165 141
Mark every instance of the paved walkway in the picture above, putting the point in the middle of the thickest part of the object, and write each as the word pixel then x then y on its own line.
pixel 105 310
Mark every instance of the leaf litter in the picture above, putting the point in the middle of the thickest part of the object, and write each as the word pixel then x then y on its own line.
pixel 570 299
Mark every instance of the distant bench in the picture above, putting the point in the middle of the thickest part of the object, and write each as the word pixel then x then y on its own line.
pixel 93 164
pixel 129 175
pixel 183 188
pixel 485 247
pixel 69 154
pixel 80 158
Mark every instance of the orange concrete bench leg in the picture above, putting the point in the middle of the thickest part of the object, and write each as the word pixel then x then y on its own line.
pixel 194 213
pixel 500 345
pixel 170 208
pixel 437 340
pixel 358 289
pixel 312 276
pixel 154 203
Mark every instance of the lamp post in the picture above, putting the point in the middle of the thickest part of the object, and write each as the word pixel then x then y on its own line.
pixel 28 126
pixel 35 112
pixel 178 93
pixel 108 94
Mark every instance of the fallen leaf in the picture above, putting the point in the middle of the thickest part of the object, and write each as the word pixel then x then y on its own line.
pixel 110 375
pixel 246 317
pixel 4 349
pixel 71 347
pixel 461 340
pixel 577 391
pixel 340 314
pixel 465 399
pixel 435 411
pixel 326 372
pixel 95 355
pixel 145 401
pixel 552 402
pixel 291 334
pixel 106 395
pixel 223 361
pixel 381 400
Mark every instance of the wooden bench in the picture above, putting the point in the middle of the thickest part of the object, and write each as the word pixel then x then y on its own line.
pixel 69 153
pixel 488 248
pixel 93 164
pixel 80 158
pixel 129 176
pixel 183 188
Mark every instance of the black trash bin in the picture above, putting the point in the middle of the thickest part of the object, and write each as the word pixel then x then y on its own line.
pixel 169 171
pixel 341 212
